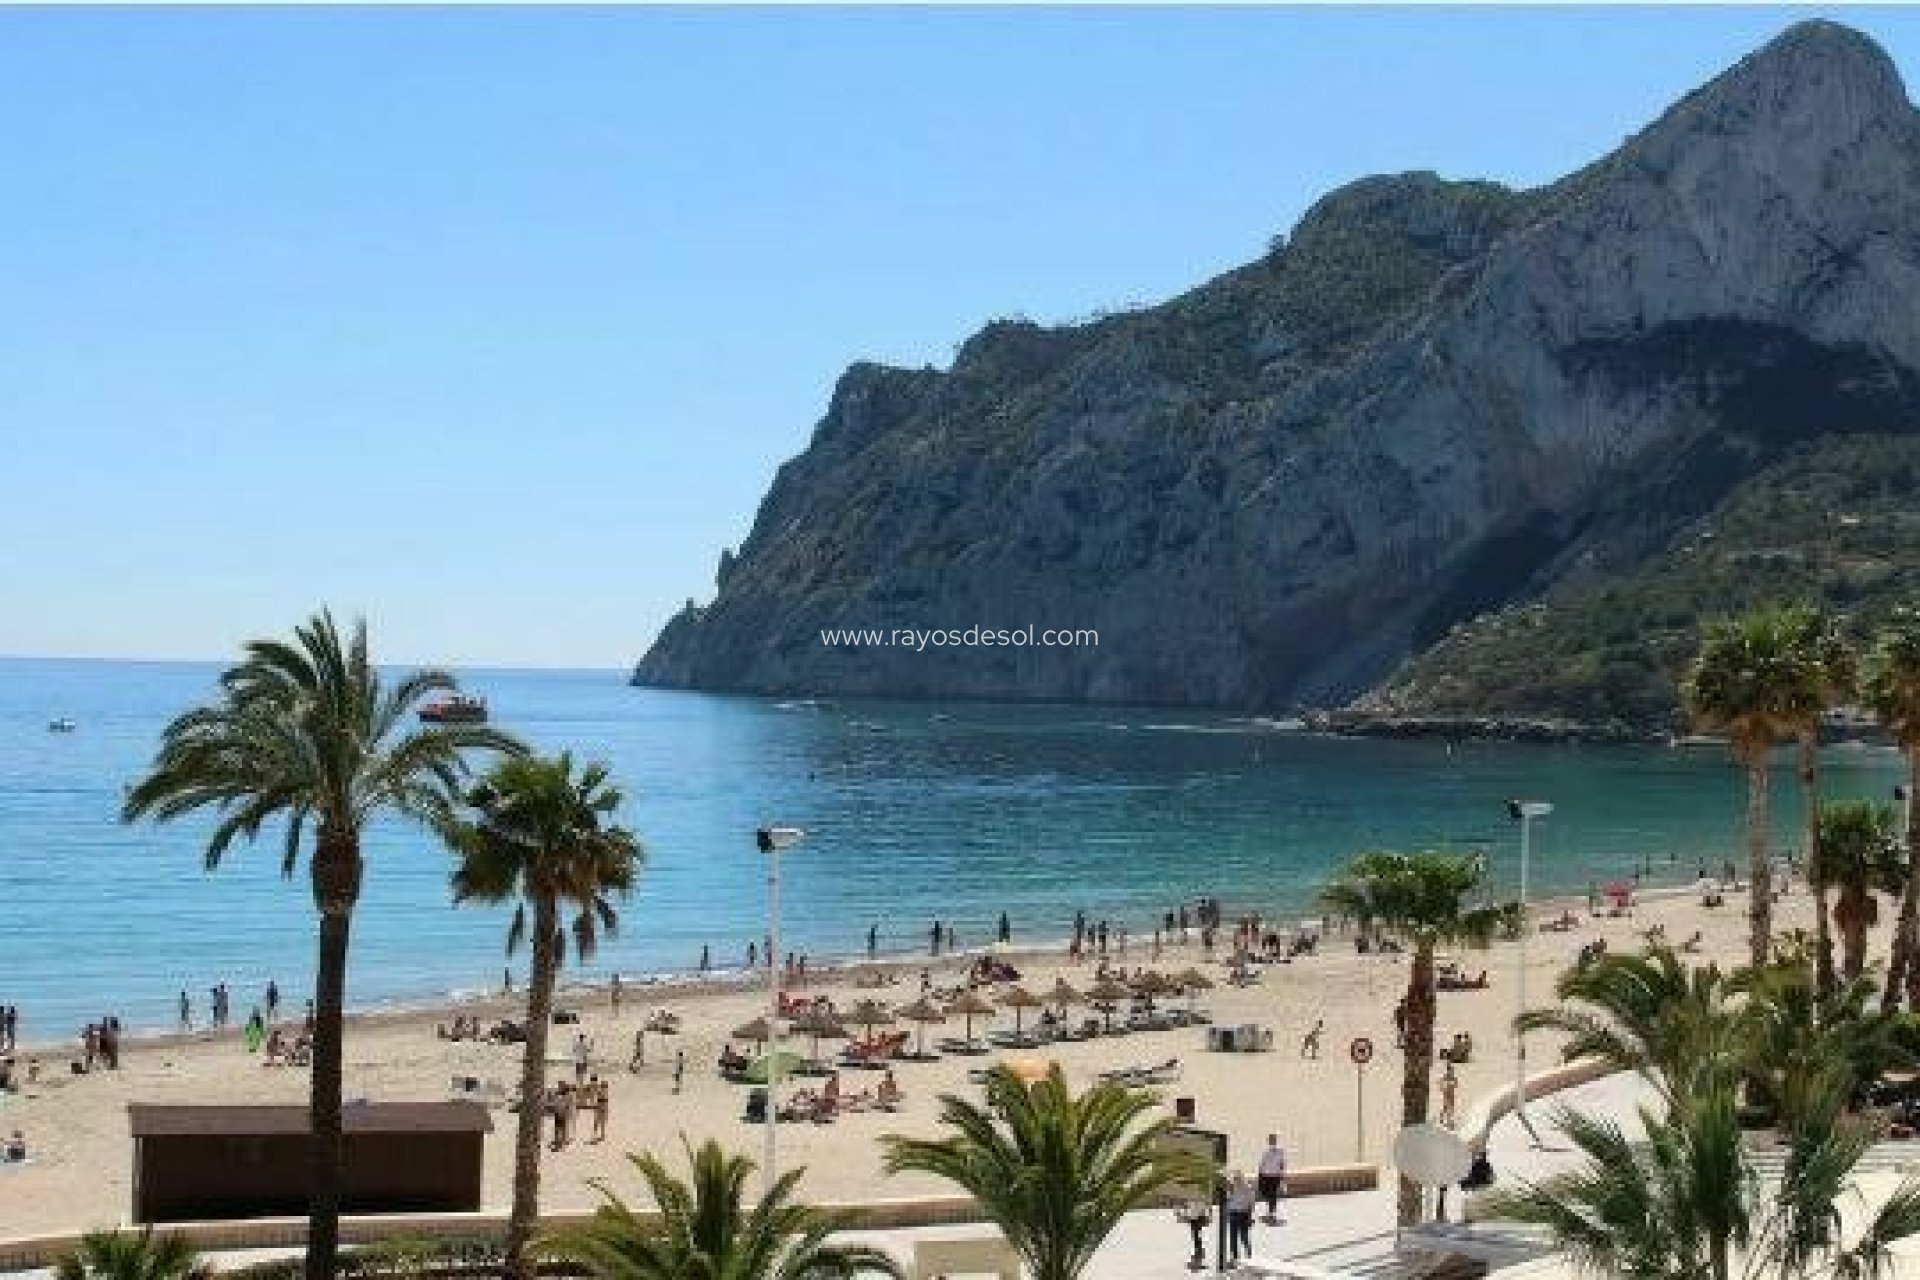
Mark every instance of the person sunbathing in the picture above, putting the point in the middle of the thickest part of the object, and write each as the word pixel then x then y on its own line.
pixel 887 1095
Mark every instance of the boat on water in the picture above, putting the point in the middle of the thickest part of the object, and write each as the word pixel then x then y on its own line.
pixel 457 709
pixel 61 725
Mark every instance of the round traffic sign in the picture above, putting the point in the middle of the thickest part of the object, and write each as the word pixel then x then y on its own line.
pixel 1361 1051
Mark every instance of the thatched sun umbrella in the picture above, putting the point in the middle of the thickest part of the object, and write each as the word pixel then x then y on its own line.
pixel 868 1014
pixel 818 1025
pixel 923 1011
pixel 757 1031
pixel 1105 995
pixel 1193 982
pixel 1019 999
pixel 1063 995
pixel 970 1006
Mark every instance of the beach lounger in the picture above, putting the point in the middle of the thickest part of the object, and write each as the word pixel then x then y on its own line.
pixel 963 1048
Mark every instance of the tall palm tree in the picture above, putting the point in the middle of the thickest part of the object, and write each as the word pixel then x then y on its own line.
pixel 1425 900
pixel 1893 690
pixel 1860 848
pixel 117 1255
pixel 537 833
pixel 1649 1014
pixel 1830 660
pixel 1054 1170
pixel 307 734
pixel 704 1230
pixel 1752 681
pixel 1690 1202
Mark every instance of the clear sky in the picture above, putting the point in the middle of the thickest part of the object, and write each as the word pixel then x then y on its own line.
pixel 494 324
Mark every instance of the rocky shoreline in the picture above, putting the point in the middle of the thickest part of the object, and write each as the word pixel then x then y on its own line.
pixel 1353 722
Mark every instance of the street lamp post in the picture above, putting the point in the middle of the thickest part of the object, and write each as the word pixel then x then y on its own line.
pixel 1523 812
pixel 771 840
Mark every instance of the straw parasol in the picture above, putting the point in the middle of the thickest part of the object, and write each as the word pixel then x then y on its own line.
pixel 818 1025
pixel 923 1011
pixel 756 1031
pixel 970 1006
pixel 1063 995
pixel 868 1014
pixel 1105 994
pixel 1153 983
pixel 1019 999
pixel 1193 982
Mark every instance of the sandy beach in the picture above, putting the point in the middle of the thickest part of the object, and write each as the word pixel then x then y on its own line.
pixel 77 1125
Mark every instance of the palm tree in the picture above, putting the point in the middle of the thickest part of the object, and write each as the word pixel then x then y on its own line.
pixel 116 1255
pixel 1054 1170
pixel 1793 1038
pixel 1424 900
pixel 1827 655
pixel 1753 682
pixel 1649 1014
pixel 1860 850
pixel 1893 690
pixel 308 734
pixel 705 1231
pixel 537 833
pixel 1689 1201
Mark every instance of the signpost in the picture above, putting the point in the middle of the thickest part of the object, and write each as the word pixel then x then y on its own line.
pixel 1211 1146
pixel 1361 1051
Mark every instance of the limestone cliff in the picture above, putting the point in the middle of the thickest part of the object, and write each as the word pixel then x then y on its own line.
pixel 1431 400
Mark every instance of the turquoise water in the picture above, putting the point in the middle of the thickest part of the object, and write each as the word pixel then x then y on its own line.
pixel 915 811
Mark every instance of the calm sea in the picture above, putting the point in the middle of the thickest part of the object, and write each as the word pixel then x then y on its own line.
pixel 915 811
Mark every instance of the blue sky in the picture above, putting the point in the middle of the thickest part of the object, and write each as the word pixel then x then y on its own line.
pixel 494 324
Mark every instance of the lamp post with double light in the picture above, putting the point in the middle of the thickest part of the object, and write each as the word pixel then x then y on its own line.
pixel 1523 812
pixel 770 841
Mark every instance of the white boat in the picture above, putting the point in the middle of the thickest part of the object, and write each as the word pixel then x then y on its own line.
pixel 61 725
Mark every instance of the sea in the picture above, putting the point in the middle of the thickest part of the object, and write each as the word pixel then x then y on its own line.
pixel 913 812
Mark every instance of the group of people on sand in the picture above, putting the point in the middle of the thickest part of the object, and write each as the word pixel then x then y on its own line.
pixel 99 1046
pixel 565 1101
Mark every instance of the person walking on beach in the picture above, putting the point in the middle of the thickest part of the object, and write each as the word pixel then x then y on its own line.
pixel 614 993
pixel 679 1068
pixel 639 1058
pixel 1449 1094
pixel 1006 928
pixel 706 958
pixel 933 939
pixel 582 1056
pixel 9 1026
pixel 186 1011
pixel 1273 1178
pixel 873 941
pixel 602 1102
pixel 1240 1202
pixel 273 1000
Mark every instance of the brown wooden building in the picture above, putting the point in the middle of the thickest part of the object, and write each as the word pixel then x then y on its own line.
pixel 253 1162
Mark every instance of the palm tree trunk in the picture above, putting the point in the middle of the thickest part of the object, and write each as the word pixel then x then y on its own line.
pixel 1816 869
pixel 533 1087
pixel 1760 861
pixel 1417 1073
pixel 1850 914
pixel 1901 961
pixel 336 888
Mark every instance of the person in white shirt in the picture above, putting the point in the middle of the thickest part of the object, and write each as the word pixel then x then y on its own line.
pixel 1273 1178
